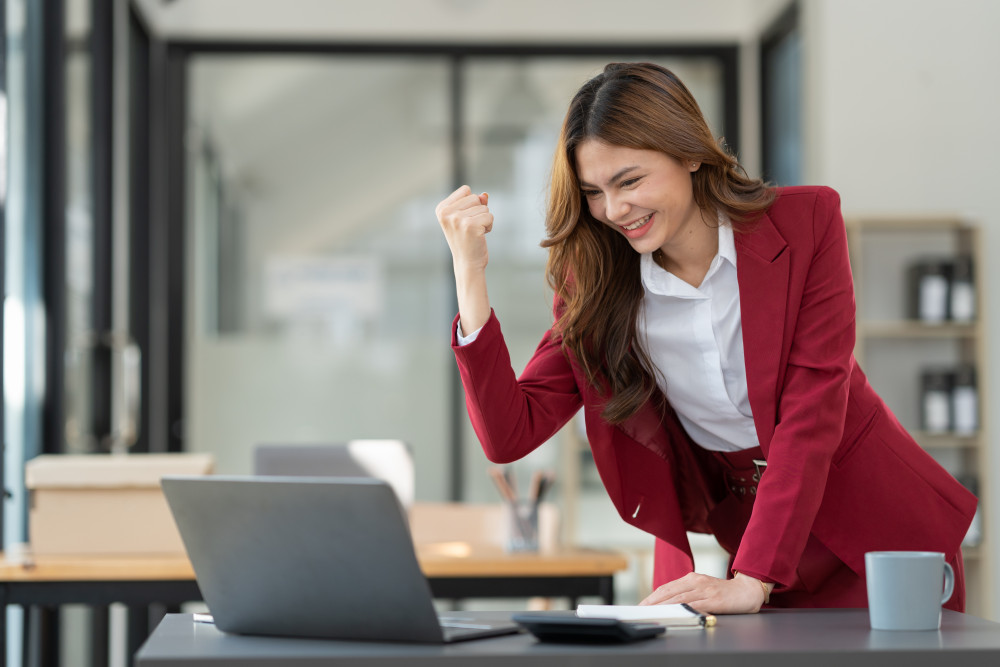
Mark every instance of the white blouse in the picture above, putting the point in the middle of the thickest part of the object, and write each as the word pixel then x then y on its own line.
pixel 694 338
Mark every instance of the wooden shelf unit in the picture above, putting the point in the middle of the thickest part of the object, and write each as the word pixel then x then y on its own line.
pixel 893 348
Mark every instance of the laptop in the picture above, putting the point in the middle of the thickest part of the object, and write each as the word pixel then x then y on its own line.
pixel 309 557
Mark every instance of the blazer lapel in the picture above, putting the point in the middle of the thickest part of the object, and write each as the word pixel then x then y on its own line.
pixel 762 268
pixel 644 426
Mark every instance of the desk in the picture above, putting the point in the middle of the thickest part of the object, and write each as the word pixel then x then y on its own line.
pixel 461 570
pixel 454 570
pixel 818 638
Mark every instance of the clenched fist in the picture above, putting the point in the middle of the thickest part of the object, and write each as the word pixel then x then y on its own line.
pixel 466 220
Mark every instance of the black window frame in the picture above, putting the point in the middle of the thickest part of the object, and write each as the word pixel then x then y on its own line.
pixel 786 23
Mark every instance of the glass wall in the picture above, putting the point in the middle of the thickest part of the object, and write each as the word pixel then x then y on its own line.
pixel 319 287
pixel 81 339
pixel 23 330
pixel 318 295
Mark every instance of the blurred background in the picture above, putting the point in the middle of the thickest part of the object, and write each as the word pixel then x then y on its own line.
pixel 219 214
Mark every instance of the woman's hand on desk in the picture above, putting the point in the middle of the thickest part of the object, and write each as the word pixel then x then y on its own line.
pixel 741 595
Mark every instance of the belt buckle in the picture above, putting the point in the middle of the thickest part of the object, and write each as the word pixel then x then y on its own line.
pixel 758 465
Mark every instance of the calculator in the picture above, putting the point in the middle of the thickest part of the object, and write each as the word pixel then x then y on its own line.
pixel 566 626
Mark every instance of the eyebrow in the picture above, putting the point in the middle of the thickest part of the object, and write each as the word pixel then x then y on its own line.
pixel 618 175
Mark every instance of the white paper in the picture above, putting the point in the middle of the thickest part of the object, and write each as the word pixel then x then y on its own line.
pixel 668 614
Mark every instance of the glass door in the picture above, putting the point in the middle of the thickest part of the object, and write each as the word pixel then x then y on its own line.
pixel 317 282
pixel 317 285
pixel 100 363
pixel 62 349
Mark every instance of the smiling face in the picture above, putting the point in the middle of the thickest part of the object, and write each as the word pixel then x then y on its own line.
pixel 645 195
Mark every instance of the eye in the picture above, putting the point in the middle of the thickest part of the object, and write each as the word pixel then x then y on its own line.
pixel 590 194
pixel 630 182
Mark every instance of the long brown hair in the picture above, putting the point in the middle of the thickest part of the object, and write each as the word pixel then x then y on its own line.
pixel 592 268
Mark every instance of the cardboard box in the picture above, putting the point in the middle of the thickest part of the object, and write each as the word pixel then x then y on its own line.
pixel 105 504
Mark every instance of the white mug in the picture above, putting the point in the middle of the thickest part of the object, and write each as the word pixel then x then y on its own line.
pixel 907 588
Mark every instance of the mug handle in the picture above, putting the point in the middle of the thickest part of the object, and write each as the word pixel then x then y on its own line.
pixel 949 583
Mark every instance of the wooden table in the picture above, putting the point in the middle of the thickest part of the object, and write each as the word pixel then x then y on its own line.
pixel 462 570
pixel 455 570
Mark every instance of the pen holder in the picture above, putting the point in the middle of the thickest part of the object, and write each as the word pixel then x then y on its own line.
pixel 522 526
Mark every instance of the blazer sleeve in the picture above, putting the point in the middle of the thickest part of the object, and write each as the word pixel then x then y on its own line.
pixel 514 415
pixel 812 403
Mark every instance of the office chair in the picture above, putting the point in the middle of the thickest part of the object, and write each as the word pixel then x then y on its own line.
pixel 388 460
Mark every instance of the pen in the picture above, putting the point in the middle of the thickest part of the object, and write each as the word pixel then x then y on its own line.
pixel 540 484
pixel 537 486
pixel 503 485
pixel 508 475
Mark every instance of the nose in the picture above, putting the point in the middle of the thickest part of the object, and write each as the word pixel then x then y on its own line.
pixel 616 208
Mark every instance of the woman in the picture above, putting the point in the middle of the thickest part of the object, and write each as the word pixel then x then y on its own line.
pixel 705 324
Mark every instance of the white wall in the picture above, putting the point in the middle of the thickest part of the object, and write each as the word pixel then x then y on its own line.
pixel 902 116
pixel 458 20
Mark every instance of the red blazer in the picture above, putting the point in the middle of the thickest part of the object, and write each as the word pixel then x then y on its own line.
pixel 839 464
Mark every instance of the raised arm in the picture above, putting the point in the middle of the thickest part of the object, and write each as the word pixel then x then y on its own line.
pixel 466 220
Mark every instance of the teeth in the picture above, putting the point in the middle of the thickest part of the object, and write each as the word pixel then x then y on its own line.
pixel 638 223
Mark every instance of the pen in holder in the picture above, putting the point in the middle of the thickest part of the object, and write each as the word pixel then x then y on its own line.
pixel 521 515
pixel 522 526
